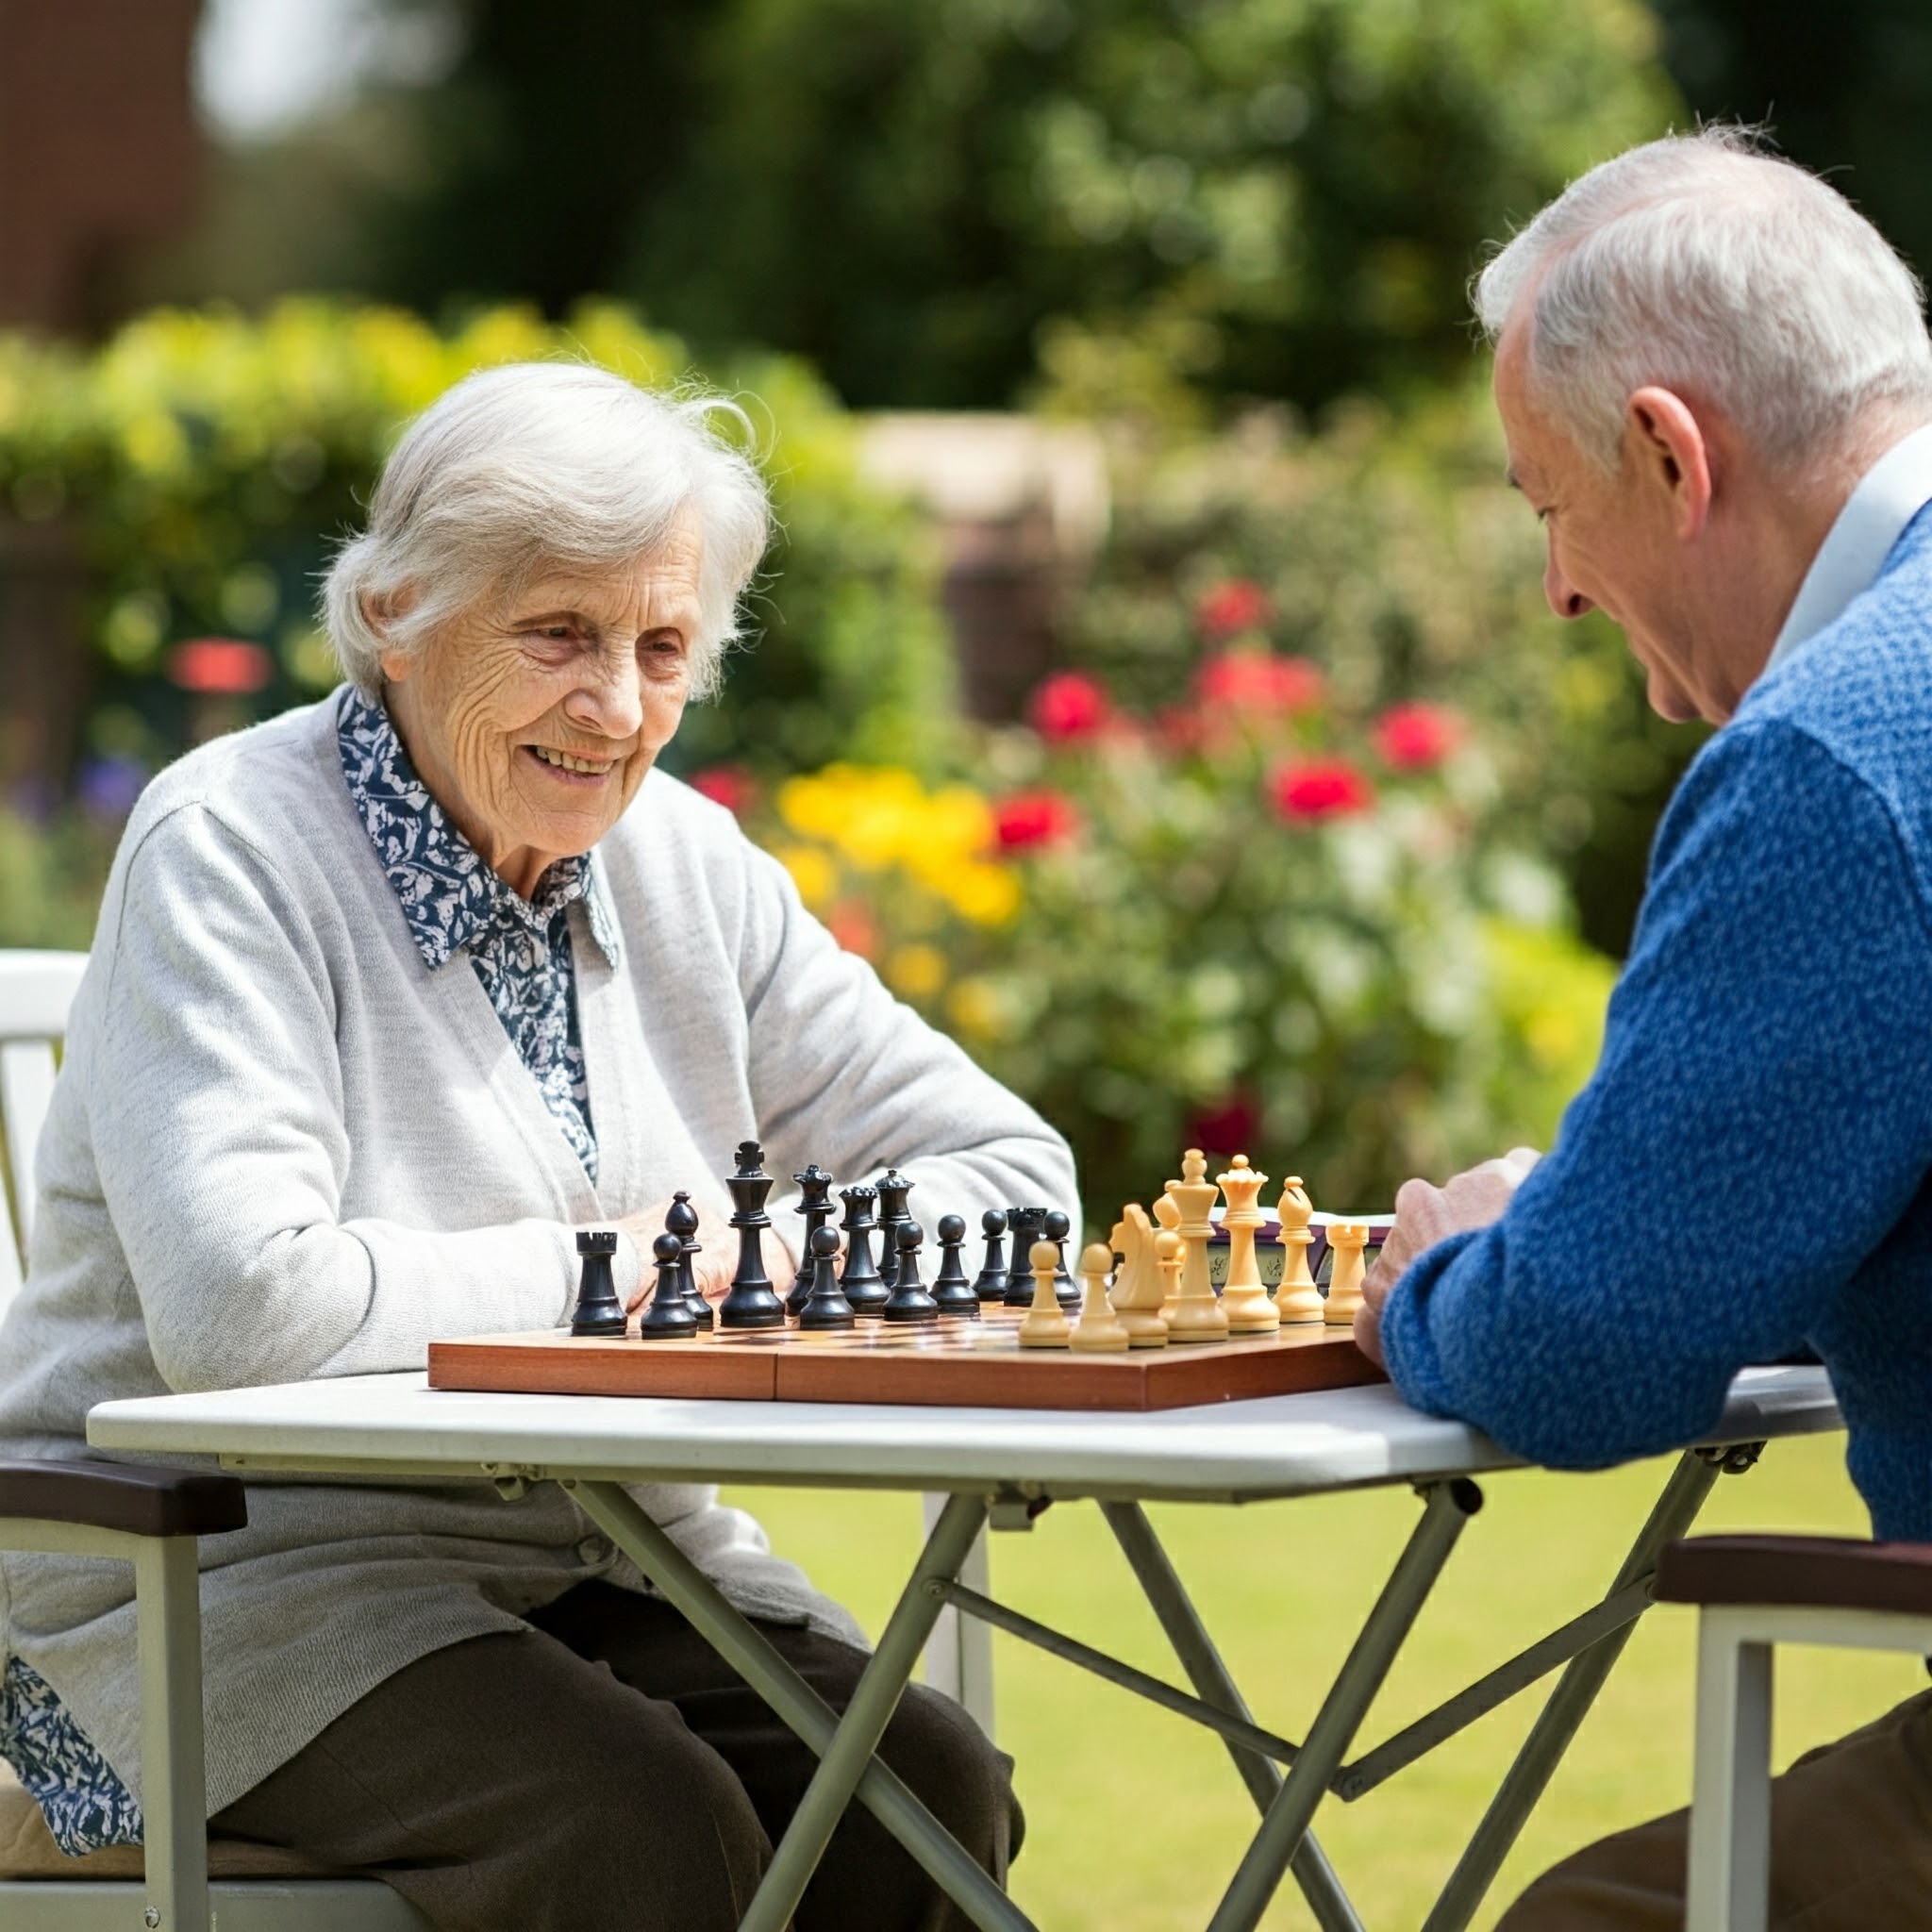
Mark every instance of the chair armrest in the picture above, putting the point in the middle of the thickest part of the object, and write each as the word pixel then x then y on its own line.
pixel 1801 1572
pixel 125 1496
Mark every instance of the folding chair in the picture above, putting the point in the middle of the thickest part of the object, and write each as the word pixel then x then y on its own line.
pixel 154 1518
pixel 1754 1593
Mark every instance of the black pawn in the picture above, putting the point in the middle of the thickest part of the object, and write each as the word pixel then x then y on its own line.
pixel 952 1292
pixel 1056 1228
pixel 598 1310
pixel 682 1221
pixel 750 1302
pixel 1025 1225
pixel 909 1301
pixel 815 1203
pixel 668 1317
pixel 864 1288
pixel 991 1285
pixel 825 1306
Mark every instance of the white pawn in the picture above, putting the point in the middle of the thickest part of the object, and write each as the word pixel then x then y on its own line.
pixel 1099 1330
pixel 1348 1238
pixel 1044 1325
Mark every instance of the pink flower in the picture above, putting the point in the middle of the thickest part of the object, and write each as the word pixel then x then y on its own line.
pixel 1239 604
pixel 1258 681
pixel 730 786
pixel 1416 737
pixel 1068 707
pixel 220 667
pixel 1027 821
pixel 1320 789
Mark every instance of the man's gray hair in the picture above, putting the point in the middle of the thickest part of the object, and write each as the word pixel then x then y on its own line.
pixel 1704 264
pixel 538 467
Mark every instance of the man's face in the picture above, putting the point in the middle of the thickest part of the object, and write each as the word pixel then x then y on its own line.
pixel 1614 545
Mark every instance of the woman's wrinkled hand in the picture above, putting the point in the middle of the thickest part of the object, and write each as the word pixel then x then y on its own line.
pixel 713 1266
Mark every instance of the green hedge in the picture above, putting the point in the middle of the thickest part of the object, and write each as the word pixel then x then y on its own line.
pixel 204 465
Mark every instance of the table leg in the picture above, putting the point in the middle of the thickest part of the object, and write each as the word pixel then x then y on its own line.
pixel 753 1656
pixel 958 1661
pixel 1557 1723
pixel 1161 1585
pixel 1449 1507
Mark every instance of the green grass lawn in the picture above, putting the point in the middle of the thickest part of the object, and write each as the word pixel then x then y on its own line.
pixel 1136 1818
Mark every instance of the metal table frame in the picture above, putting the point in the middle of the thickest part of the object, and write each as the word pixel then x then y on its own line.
pixel 1585 1648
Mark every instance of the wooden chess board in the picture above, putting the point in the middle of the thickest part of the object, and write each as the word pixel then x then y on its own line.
pixel 958 1364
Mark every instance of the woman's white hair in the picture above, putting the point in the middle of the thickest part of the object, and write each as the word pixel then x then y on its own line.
pixel 536 467
pixel 1707 265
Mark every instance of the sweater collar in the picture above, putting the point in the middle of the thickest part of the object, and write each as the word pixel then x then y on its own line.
pixel 449 896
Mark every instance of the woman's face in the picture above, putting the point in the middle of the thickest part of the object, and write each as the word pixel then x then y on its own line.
pixel 534 722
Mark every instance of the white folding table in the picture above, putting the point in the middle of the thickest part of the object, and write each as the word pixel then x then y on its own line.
pixel 1005 1465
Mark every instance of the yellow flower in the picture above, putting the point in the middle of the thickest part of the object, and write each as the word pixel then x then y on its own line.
pixel 976 1010
pixel 986 894
pixel 812 872
pixel 916 971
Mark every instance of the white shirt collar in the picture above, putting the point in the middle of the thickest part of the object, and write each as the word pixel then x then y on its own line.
pixel 1891 493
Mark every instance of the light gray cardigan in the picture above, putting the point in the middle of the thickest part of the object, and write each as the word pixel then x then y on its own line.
pixel 281 1147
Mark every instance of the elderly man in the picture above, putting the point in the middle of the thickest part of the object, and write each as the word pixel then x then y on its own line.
pixel 1715 381
pixel 391 996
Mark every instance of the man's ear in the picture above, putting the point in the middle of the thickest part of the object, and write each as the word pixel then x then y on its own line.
pixel 1666 443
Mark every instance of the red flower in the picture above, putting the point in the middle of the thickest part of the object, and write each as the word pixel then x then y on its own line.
pixel 1229 1128
pixel 1239 604
pixel 1258 681
pixel 1320 789
pixel 1416 738
pixel 730 786
pixel 1068 707
pixel 220 667
pixel 1031 819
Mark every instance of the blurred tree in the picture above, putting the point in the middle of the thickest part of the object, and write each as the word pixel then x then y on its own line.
pixel 909 195
pixel 1255 192
pixel 1845 88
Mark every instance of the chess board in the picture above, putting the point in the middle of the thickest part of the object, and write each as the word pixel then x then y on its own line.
pixel 954 1363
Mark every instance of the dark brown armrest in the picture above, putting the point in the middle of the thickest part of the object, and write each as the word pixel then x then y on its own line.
pixel 1802 1572
pixel 124 1495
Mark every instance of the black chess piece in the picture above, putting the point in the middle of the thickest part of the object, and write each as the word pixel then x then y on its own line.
pixel 1024 1225
pixel 909 1301
pixel 893 1187
pixel 990 1283
pixel 668 1317
pixel 825 1306
pixel 750 1302
pixel 952 1292
pixel 860 1281
pixel 682 1221
pixel 815 1203
pixel 1056 1228
pixel 598 1310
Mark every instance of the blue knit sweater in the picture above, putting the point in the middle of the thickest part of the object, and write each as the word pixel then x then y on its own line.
pixel 1750 1168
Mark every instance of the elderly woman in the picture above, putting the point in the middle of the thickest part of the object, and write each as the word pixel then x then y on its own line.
pixel 391 996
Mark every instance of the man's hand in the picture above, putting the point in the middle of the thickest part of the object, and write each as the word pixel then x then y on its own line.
pixel 713 1268
pixel 1426 1215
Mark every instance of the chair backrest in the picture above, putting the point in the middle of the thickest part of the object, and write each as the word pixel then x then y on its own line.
pixel 36 992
